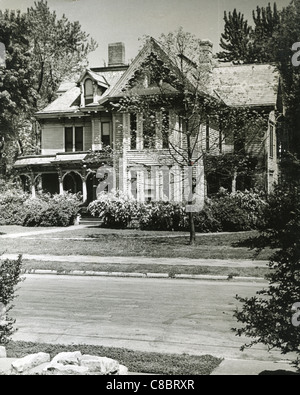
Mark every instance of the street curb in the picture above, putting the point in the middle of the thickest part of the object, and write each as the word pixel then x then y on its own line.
pixel 142 275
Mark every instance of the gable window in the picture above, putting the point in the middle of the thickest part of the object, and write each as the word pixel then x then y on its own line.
pixel 73 139
pixel 133 130
pixel 105 130
pixel 88 91
pixel 149 130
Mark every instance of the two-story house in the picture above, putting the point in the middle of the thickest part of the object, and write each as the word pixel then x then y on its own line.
pixel 79 123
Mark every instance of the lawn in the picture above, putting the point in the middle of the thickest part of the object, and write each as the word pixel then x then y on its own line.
pixel 99 242
pixel 135 361
pixel 94 241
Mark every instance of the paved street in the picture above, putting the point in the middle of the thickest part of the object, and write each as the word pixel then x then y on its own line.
pixel 161 315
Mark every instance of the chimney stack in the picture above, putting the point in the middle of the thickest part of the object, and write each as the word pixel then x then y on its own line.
pixel 116 54
pixel 206 51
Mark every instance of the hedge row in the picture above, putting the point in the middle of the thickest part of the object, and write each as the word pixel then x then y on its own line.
pixel 226 212
pixel 18 208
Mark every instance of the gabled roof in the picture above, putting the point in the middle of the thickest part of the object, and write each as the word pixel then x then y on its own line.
pixel 152 46
pixel 99 78
pixel 251 85
pixel 235 85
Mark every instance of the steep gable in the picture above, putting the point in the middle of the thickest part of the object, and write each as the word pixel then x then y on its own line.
pixel 151 47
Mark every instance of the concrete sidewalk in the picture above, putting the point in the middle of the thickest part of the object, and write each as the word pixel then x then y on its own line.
pixel 136 260
pixel 229 367
pixel 242 367
pixel 141 260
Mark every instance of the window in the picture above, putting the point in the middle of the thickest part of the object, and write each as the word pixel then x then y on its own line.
pixel 165 129
pixel 271 141
pixel 74 139
pixel 149 186
pixel 149 130
pixel 69 139
pixel 79 138
pixel 88 91
pixel 133 130
pixel 105 127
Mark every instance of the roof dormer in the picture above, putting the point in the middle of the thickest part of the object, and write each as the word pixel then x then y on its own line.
pixel 93 86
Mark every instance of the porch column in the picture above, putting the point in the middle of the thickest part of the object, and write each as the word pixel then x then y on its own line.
pixel 60 182
pixel 84 187
pixel 33 191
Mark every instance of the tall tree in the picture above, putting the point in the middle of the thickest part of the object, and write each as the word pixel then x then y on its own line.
pixel 59 48
pixel 287 35
pixel 236 39
pixel 41 51
pixel 17 95
pixel 267 21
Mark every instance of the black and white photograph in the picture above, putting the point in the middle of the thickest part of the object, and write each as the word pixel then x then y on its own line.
pixel 149 190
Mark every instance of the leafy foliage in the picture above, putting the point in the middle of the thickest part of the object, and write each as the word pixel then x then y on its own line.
pixel 116 210
pixel 162 216
pixel 10 271
pixel 45 210
pixel 11 203
pixel 59 47
pixel 226 212
pixel 267 317
pixel 41 52
pixel 236 38
pixel 239 211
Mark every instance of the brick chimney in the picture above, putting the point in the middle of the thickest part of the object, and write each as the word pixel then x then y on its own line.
pixel 206 52
pixel 116 54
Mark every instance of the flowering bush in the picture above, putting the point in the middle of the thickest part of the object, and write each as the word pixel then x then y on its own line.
pixel 205 222
pixel 11 203
pixel 240 211
pixel 116 210
pixel 45 210
pixel 162 216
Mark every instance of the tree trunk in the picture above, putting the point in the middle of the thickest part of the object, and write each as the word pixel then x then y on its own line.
pixel 192 228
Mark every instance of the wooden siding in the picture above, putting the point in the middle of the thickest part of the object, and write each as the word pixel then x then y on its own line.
pixel 52 138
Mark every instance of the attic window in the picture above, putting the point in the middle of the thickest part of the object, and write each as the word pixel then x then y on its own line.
pixel 88 91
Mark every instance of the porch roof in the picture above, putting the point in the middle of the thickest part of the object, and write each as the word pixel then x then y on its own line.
pixel 43 161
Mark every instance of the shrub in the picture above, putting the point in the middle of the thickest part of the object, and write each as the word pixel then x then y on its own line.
pixel 205 222
pixel 44 210
pixel 9 277
pixel 162 216
pixel 116 210
pixel 11 206
pixel 241 211
pixel 272 316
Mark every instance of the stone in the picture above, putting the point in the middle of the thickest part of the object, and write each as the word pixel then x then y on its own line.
pixel 123 370
pixel 100 365
pixel 29 362
pixel 37 371
pixel 3 352
pixel 58 369
pixel 68 358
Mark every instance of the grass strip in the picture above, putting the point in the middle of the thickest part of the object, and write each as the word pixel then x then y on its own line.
pixel 66 267
pixel 136 361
